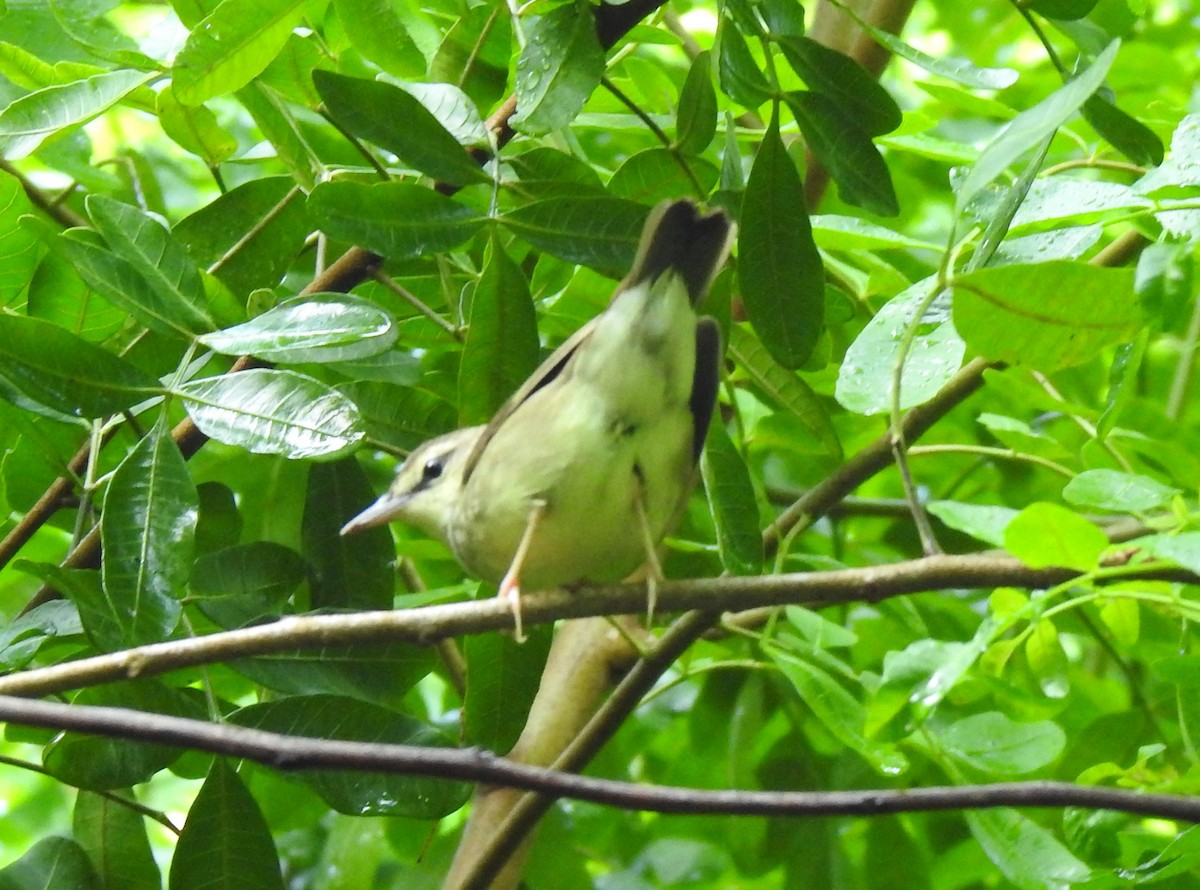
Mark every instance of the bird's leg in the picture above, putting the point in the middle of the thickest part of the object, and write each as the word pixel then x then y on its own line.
pixel 654 572
pixel 510 585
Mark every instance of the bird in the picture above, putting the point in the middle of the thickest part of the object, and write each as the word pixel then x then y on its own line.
pixel 589 464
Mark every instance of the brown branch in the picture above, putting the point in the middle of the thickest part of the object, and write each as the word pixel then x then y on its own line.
pixel 429 624
pixel 286 752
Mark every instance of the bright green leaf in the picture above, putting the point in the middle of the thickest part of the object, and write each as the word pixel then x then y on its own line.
pixel 1045 535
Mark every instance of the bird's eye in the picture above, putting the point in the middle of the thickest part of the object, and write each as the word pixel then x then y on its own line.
pixel 433 468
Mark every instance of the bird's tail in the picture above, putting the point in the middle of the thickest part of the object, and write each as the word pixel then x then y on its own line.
pixel 678 237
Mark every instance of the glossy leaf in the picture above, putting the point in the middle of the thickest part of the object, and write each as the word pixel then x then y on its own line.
pixel 354 792
pixel 1026 854
pixel 1126 133
pixel 46 369
pixel 779 269
pixel 396 121
pixel 32 118
pixel 207 855
pixel 559 67
pixel 396 219
pixel 1030 314
pixel 195 129
pixel 147 529
pixel 377 30
pixel 274 412
pixel 739 74
pixel 843 81
pixel 244 583
pixel 312 328
pixel 232 46
pixel 503 677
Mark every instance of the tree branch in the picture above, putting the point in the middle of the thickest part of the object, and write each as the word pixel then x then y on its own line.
pixel 286 752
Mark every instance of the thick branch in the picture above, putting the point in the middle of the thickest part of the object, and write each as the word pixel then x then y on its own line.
pixel 474 765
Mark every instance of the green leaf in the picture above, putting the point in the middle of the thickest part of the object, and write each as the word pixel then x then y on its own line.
pixel 453 109
pixel 475 53
pixel 984 522
pixel 396 121
pixel 274 412
pixel 1044 535
pixel 265 219
pixel 29 120
pixel 377 29
pixel 780 271
pixel 560 66
pixel 311 328
pixel 660 174
pixel 732 503
pixel 245 583
pixel 845 151
pixel 53 863
pixel 195 129
pixel 232 46
pixel 1117 491
pixel 1030 314
pixel 157 257
pixel 147 530
pixel 959 70
pixel 503 677
pixel 835 232
pixel 844 82
pixel 1063 9
pixel 114 837
pixel 343 575
pixel 502 341
pixel 737 71
pixel 596 231
pixel 696 117
pixel 1033 125
pixel 1025 853
pixel 354 792
pixel 996 745
pixel 865 379
pixel 402 417
pixel 396 219
pixel 47 370
pixel 1122 616
pixel 785 388
pixel 118 281
pixel 18 246
pixel 1182 549
pixel 208 854
pixel 1123 131
pixel 102 763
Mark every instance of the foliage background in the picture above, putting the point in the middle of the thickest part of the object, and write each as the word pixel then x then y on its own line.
pixel 175 175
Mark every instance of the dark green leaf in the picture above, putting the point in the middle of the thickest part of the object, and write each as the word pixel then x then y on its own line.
pixel 547 173
pixel 1030 314
pixel 600 232
pixel 780 271
pixel 475 53
pixel 147 530
pixel 195 129
pixel 560 66
pixel 503 677
pixel 396 121
pixel 846 151
pixel 47 370
pixel 312 328
pixel 1123 131
pixel 274 412
pixel 1063 9
pixel 502 340
pixel 660 174
pixel 396 219
pixel 245 583
pixel 739 74
pixel 157 257
pixel 342 574
pixel 114 837
pixel 696 118
pixel 209 855
pixel 353 792
pixel 857 96
pixel 402 417
pixel 53 863
pixel 732 503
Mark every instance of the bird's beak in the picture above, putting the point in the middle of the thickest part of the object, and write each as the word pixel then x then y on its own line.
pixel 383 511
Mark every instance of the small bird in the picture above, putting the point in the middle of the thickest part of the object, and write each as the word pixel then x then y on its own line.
pixel 585 469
